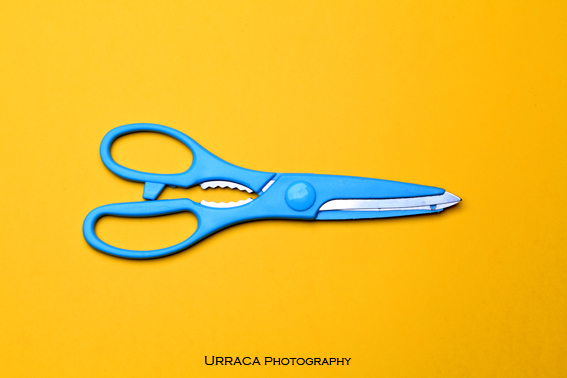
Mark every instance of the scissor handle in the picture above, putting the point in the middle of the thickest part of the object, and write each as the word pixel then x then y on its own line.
pixel 209 220
pixel 204 167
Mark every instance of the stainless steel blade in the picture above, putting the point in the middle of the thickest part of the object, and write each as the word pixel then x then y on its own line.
pixel 391 204
pixel 224 205
pixel 224 184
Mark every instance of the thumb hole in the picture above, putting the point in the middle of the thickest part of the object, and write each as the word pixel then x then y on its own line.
pixel 151 152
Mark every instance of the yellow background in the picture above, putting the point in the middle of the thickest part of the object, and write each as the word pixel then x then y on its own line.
pixel 468 97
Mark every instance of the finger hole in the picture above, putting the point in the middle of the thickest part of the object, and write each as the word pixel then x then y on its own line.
pixel 148 233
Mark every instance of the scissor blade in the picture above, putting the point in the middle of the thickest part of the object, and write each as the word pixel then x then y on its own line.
pixel 386 204
pixel 383 208
pixel 224 184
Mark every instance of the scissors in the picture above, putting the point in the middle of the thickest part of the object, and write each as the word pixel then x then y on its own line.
pixel 300 196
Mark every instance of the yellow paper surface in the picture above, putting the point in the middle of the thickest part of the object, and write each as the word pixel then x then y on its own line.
pixel 466 96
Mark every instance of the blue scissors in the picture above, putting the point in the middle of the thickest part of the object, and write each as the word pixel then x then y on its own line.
pixel 301 196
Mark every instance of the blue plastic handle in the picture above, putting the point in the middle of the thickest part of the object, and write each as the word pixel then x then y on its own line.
pixel 291 196
pixel 209 220
pixel 205 165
